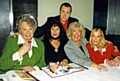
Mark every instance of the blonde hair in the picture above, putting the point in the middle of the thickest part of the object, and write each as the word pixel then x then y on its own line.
pixel 74 25
pixel 102 41
pixel 26 18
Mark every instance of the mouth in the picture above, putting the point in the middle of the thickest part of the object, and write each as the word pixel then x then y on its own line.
pixel 76 37
pixel 54 34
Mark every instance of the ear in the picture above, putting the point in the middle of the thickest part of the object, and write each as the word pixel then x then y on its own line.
pixel 59 12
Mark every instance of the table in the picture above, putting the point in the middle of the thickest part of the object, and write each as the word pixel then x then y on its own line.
pixel 89 75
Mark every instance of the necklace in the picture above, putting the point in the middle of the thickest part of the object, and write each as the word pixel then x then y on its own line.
pixel 55 44
pixel 56 50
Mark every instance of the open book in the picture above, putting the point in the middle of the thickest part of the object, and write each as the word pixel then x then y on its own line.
pixel 65 70
pixel 16 75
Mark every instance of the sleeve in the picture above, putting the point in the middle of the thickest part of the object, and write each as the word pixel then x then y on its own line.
pixel 114 53
pixel 39 32
pixel 90 51
pixel 41 62
pixel 6 60
pixel 16 56
pixel 92 55
pixel 69 50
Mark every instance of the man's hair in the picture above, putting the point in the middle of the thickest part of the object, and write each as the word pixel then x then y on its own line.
pixel 66 5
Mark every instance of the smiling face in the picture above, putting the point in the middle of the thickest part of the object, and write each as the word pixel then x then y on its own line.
pixel 55 31
pixel 27 31
pixel 65 13
pixel 76 34
pixel 96 38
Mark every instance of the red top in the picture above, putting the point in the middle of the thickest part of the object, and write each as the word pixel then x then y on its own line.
pixel 97 57
pixel 65 25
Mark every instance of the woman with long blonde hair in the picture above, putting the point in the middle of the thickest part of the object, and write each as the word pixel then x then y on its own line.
pixel 101 51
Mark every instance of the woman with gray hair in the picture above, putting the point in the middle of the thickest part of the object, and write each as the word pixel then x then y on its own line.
pixel 76 49
pixel 24 51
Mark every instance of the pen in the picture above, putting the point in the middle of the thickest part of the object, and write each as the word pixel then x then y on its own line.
pixel 53 68
pixel 82 66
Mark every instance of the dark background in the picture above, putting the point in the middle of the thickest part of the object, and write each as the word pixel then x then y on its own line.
pixel 19 7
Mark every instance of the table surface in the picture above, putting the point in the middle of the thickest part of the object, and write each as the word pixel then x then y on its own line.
pixel 113 74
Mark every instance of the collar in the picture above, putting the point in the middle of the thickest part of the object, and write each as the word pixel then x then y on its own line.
pixel 21 41
pixel 103 50
pixel 64 25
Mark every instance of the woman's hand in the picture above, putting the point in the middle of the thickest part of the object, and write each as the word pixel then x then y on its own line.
pixel 14 34
pixel 117 60
pixel 102 68
pixel 28 69
pixel 112 63
pixel 99 67
pixel 64 63
pixel 53 66
pixel 24 49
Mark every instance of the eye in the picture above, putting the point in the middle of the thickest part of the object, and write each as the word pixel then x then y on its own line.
pixel 52 28
pixel 57 29
pixel 62 11
pixel 68 12
pixel 31 28
pixel 24 29
pixel 99 36
pixel 93 35
pixel 73 30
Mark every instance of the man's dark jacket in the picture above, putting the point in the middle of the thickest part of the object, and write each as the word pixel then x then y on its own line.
pixel 40 31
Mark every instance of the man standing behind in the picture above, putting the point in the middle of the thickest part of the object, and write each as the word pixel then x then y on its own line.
pixel 64 18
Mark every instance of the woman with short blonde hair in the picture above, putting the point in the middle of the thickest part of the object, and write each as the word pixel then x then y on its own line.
pixel 74 25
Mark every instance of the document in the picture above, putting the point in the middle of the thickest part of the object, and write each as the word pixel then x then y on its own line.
pixel 61 71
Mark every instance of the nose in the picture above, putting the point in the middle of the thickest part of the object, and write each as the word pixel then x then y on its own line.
pixel 65 14
pixel 55 31
pixel 95 38
pixel 77 32
pixel 28 31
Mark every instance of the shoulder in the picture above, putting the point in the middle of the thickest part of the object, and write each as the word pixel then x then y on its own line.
pixel 45 42
pixel 84 40
pixel 12 38
pixel 69 43
pixel 39 42
pixel 109 44
pixel 54 17
pixel 73 19
pixel 88 45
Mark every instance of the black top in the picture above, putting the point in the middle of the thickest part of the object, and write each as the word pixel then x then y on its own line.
pixel 40 31
pixel 51 55
pixel 81 49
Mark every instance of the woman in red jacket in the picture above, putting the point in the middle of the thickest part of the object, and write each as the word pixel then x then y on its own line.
pixel 100 51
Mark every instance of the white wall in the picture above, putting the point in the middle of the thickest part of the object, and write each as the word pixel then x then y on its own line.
pixel 82 10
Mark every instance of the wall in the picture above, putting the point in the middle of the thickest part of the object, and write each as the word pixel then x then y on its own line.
pixel 82 10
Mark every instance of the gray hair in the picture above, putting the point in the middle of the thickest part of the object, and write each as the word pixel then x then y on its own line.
pixel 26 18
